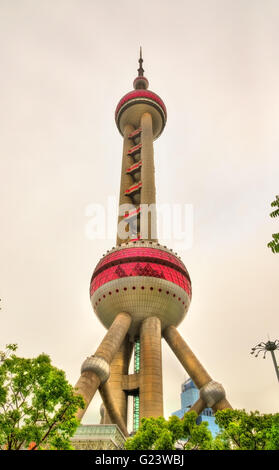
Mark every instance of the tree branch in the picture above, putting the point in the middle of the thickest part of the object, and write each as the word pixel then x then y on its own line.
pixel 52 426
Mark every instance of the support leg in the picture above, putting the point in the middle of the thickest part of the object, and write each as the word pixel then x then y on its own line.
pixel 211 393
pixel 95 369
pixel 198 406
pixel 112 408
pixel 151 388
pixel 118 368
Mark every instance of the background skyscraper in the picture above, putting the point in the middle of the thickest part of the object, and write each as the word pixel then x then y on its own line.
pixel 188 396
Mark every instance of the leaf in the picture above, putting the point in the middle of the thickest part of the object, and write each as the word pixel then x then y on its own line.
pixel 38 404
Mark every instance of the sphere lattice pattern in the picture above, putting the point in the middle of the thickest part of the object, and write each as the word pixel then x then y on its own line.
pixel 141 262
pixel 142 280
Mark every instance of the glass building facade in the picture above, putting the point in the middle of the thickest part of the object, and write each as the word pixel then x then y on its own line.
pixel 98 437
pixel 189 395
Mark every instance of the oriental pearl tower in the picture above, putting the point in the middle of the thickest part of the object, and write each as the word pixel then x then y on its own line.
pixel 140 290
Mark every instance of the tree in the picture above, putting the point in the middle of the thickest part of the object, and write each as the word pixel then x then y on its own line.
pixel 248 431
pixel 148 435
pixel 273 434
pixel 37 404
pixel 161 434
pixel 239 430
pixel 274 244
pixel 197 436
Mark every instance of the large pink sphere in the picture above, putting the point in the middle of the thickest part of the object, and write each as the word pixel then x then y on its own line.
pixel 143 279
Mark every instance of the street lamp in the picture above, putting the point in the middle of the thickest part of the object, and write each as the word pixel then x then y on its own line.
pixel 265 347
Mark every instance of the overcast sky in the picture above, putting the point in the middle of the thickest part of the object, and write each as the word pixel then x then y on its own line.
pixel 65 64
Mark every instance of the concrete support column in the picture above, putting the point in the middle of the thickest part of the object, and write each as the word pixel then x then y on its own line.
pixel 148 190
pixel 210 390
pixel 187 358
pixel 111 407
pixel 126 180
pixel 198 406
pixel 221 405
pixel 119 368
pixel 151 387
pixel 95 369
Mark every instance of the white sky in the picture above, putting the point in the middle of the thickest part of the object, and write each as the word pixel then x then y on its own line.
pixel 64 66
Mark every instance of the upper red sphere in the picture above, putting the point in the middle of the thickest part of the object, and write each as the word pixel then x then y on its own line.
pixel 140 95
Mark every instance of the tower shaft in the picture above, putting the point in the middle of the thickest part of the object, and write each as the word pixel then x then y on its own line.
pixel 126 179
pixel 137 185
pixel 151 386
pixel 148 190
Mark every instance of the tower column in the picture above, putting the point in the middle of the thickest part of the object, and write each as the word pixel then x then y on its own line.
pixel 126 180
pixel 187 358
pixel 95 369
pixel 212 393
pixel 119 367
pixel 112 409
pixel 151 387
pixel 198 406
pixel 148 191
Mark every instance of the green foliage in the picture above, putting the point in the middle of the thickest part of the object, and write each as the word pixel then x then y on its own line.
pixel 37 404
pixel 221 442
pixel 159 434
pixel 164 441
pixel 148 433
pixel 8 351
pixel 238 431
pixel 197 436
pixel 248 431
pixel 274 244
pixel 273 434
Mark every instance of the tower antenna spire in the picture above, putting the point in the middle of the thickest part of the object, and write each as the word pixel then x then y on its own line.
pixel 140 69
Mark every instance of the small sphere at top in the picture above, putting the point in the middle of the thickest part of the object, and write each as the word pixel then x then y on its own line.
pixel 140 83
